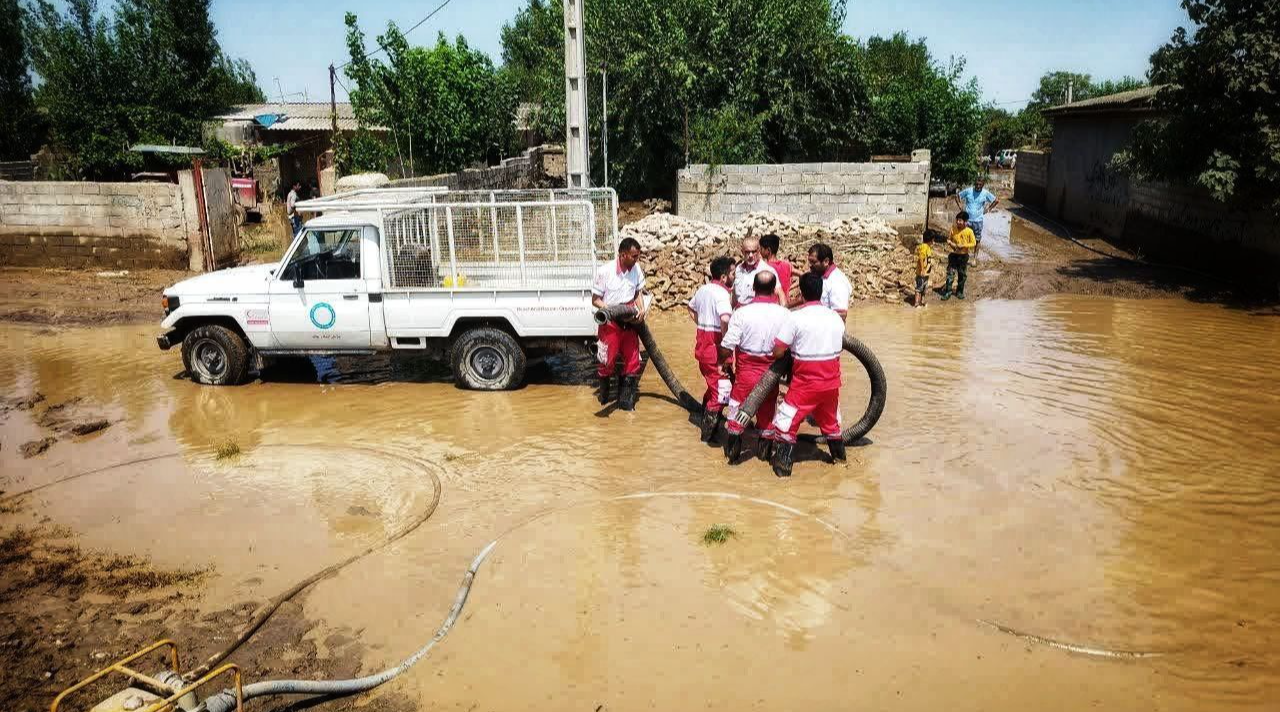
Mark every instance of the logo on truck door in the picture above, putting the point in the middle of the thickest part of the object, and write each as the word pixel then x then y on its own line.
pixel 323 316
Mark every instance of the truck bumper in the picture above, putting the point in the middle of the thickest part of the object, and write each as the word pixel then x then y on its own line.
pixel 168 340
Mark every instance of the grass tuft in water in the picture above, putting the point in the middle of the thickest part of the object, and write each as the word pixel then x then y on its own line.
pixel 718 534
pixel 228 449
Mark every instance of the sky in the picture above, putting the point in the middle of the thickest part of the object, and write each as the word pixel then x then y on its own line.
pixel 1007 44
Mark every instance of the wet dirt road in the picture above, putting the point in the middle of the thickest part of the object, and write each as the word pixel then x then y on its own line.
pixel 1093 471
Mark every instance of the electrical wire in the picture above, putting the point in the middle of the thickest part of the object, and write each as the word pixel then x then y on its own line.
pixel 382 48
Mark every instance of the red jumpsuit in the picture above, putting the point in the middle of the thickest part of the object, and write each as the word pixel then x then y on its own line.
pixel 617 341
pixel 709 304
pixel 815 335
pixel 752 332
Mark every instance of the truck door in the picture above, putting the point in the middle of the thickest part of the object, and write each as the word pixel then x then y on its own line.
pixel 319 299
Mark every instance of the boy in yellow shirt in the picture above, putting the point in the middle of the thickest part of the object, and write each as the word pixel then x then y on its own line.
pixel 961 242
pixel 924 261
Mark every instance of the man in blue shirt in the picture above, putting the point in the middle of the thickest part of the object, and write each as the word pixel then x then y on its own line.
pixel 977 201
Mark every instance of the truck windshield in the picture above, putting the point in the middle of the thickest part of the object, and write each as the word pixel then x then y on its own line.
pixel 326 254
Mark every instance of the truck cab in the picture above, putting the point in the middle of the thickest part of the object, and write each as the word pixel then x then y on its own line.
pixel 485 283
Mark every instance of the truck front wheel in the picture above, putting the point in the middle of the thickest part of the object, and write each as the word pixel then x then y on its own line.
pixel 487 359
pixel 215 356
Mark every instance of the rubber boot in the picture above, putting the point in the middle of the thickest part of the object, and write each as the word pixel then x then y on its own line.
pixel 837 450
pixel 629 392
pixel 710 424
pixel 606 385
pixel 783 456
pixel 764 449
pixel 733 448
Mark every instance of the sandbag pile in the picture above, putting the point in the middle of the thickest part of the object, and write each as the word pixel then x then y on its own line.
pixel 677 252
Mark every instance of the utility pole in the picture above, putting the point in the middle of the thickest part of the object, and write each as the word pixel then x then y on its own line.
pixel 333 103
pixel 577 153
pixel 1071 90
pixel 604 121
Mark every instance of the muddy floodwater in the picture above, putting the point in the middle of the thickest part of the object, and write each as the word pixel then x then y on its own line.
pixel 1069 503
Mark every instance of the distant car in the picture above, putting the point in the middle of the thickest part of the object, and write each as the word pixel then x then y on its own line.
pixel 1006 158
pixel 941 188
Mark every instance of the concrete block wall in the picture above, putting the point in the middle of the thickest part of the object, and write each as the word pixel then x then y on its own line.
pixel 76 224
pixel 538 167
pixel 810 192
pixel 1031 177
pixel 1187 215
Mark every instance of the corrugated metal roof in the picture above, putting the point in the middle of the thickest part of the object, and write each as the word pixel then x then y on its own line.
pixel 1136 100
pixel 299 116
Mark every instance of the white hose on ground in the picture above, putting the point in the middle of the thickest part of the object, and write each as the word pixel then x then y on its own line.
pixel 225 701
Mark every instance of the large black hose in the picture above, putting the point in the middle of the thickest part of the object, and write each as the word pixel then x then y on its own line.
pixel 851 434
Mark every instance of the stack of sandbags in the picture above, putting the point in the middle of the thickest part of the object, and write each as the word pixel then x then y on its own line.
pixel 677 252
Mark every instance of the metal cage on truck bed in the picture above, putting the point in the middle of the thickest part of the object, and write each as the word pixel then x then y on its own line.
pixel 604 201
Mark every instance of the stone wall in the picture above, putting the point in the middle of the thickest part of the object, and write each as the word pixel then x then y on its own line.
pixel 75 224
pixel 809 192
pixel 538 167
pixel 1031 177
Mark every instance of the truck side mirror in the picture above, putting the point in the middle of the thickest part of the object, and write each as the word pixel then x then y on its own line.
pixel 297 282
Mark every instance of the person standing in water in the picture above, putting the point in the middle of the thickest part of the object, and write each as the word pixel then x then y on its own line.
pixel 749 341
pixel 618 282
pixel 710 308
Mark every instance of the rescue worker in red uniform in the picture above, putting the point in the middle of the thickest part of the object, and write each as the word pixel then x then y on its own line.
pixel 749 340
pixel 710 308
pixel 620 282
pixel 815 337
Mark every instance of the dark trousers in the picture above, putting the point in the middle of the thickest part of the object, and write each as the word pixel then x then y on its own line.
pixel 957 271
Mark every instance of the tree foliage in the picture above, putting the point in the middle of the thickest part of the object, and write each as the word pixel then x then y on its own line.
pixel 917 102
pixel 151 72
pixel 446 104
pixel 1220 105
pixel 21 127
pixel 680 65
pixel 1052 91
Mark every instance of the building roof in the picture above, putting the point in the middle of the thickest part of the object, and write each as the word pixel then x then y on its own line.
pixel 298 116
pixel 1137 101
pixel 172 150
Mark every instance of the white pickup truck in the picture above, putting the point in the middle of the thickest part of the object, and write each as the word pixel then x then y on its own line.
pixel 486 279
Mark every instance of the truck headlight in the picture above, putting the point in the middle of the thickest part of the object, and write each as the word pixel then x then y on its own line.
pixel 169 303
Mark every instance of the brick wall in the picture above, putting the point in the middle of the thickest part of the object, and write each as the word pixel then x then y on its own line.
pixel 1031 177
pixel 76 224
pixel 538 167
pixel 810 192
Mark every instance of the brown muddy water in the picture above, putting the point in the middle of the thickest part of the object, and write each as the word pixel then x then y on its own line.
pixel 1097 472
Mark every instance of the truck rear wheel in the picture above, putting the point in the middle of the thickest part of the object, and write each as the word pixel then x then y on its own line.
pixel 487 359
pixel 215 356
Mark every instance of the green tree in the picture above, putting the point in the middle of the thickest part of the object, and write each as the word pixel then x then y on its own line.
pixel 688 65
pixel 151 72
pixel 21 127
pixel 918 103
pixel 1220 112
pixel 446 104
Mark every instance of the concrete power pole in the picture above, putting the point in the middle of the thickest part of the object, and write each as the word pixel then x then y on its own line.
pixel 577 152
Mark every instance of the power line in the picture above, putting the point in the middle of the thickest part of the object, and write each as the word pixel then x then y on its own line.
pixel 382 48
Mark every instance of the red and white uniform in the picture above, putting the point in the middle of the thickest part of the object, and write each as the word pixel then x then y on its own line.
pixel 836 290
pixel 710 304
pixel 744 281
pixel 617 341
pixel 752 332
pixel 815 335
pixel 783 269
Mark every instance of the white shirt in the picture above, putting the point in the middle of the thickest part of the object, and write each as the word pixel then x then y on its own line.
pixel 710 303
pixel 754 327
pixel 836 291
pixel 815 335
pixel 615 286
pixel 744 281
pixel 290 202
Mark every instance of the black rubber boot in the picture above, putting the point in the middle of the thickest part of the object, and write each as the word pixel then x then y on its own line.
pixel 629 392
pixel 733 448
pixel 783 454
pixel 837 450
pixel 710 424
pixel 764 449
pixel 606 386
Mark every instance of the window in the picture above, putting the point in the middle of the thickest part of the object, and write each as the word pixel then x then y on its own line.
pixel 326 254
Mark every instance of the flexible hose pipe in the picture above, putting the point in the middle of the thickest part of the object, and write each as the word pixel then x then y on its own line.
pixel 859 350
